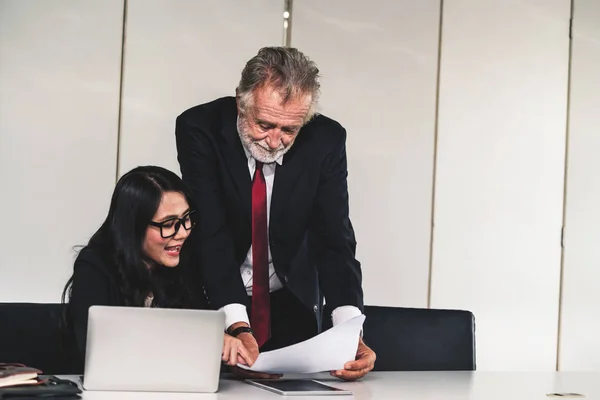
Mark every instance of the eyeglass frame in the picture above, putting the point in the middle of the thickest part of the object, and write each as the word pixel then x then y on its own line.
pixel 178 224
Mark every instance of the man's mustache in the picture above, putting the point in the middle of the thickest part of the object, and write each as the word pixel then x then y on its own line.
pixel 282 147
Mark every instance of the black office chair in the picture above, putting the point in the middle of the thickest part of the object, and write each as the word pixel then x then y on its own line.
pixel 31 334
pixel 413 339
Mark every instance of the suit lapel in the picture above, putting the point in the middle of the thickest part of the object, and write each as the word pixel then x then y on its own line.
pixel 237 161
pixel 286 179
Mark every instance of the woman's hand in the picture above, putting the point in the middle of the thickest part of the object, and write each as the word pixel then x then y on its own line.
pixel 234 352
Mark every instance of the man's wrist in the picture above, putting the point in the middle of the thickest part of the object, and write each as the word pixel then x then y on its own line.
pixel 233 327
pixel 240 330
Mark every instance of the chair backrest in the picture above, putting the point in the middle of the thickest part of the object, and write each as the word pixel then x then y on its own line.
pixel 412 339
pixel 31 334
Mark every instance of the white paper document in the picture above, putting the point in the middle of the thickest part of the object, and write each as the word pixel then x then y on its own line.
pixel 328 351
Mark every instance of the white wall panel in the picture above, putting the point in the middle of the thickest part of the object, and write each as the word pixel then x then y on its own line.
pixel 59 93
pixel 580 328
pixel 378 62
pixel 500 167
pixel 180 53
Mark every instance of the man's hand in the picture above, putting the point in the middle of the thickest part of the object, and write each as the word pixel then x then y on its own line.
pixel 251 346
pixel 234 352
pixel 249 342
pixel 247 339
pixel 353 370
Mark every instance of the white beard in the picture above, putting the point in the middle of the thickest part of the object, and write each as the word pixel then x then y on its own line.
pixel 259 150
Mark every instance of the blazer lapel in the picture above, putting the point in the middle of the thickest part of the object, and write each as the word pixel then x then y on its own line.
pixel 237 162
pixel 286 178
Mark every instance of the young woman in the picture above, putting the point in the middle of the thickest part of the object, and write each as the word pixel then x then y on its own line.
pixel 137 258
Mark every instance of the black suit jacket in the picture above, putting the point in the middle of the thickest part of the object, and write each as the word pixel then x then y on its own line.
pixel 310 233
pixel 92 285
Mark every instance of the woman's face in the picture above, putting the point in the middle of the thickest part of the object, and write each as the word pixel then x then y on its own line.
pixel 165 251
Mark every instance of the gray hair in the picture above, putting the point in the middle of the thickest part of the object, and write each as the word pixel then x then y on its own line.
pixel 287 70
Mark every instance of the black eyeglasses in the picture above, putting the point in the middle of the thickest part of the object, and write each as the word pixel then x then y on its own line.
pixel 170 227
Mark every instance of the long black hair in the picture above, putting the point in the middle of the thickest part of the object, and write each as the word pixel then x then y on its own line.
pixel 120 239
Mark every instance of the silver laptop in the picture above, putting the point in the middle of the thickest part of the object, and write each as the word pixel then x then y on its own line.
pixel 153 349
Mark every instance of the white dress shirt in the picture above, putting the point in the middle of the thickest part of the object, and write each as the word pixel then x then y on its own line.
pixel 237 312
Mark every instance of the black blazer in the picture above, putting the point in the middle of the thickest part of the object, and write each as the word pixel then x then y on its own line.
pixel 94 284
pixel 310 231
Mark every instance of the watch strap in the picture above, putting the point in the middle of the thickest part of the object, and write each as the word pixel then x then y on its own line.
pixel 241 329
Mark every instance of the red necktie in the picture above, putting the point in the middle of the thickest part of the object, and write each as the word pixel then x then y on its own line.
pixel 261 308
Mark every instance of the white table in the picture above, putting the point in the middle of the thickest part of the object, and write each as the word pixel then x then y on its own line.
pixel 407 386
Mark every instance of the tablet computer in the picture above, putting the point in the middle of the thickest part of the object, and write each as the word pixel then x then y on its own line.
pixel 297 387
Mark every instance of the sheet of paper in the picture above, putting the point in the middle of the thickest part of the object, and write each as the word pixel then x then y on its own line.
pixel 328 351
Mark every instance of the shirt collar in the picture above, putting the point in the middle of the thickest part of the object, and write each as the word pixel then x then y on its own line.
pixel 248 155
